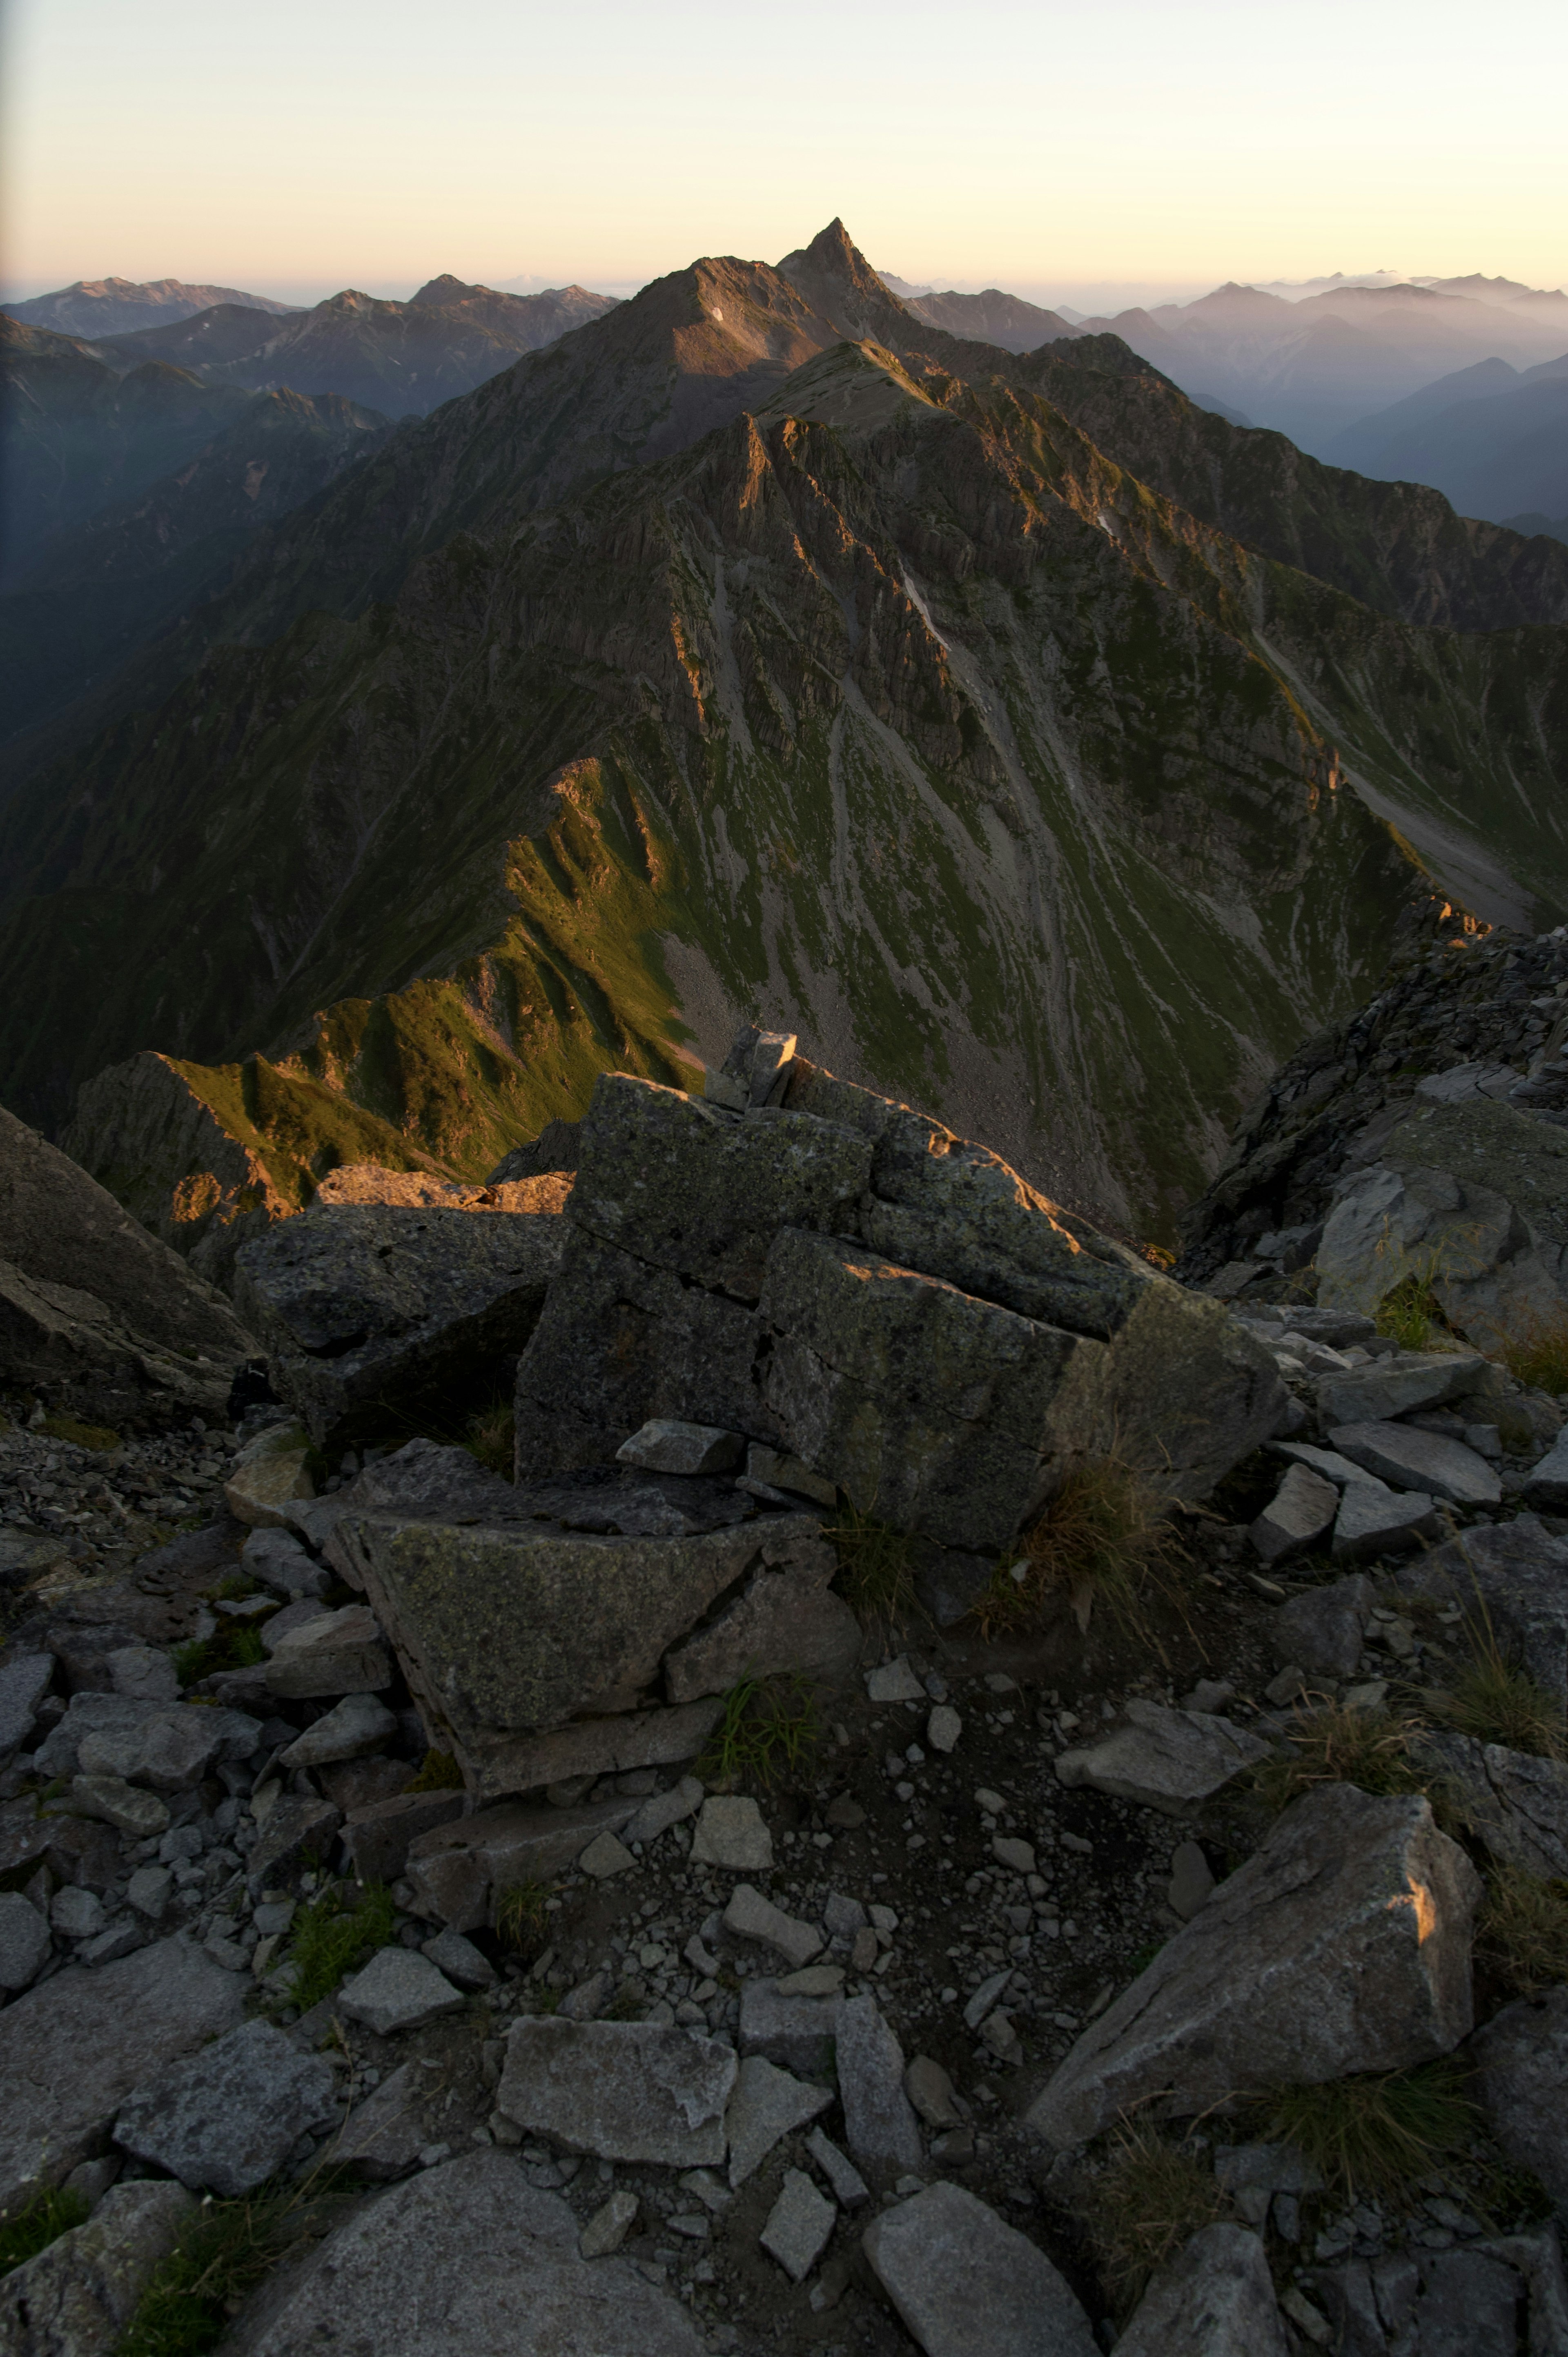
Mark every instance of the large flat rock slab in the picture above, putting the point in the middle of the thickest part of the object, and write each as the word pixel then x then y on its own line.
pixel 1218 2297
pixel 362 1305
pixel 964 2282
pixel 467 2259
pixel 1343 1944
pixel 621 2090
pixel 1513 1575
pixel 1522 2066
pixel 1166 1759
pixel 1412 1459
pixel 74 2050
pixel 223 2120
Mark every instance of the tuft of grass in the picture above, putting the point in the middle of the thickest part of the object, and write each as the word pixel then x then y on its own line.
pixel 39 2221
pixel 1331 1744
pixel 770 1728
pixel 1535 1353
pixel 1105 1540
pixel 491 1437
pixel 1496 1702
pixel 219 2259
pixel 1410 1315
pixel 1143 2205
pixel 521 1917
pixel 876 1570
pixel 1521 1932
pixel 237 1645
pixel 438 1773
pixel 1374 2133
pixel 101 1437
pixel 331 1936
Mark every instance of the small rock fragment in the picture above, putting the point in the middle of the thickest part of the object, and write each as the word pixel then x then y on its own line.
pixel 799 2226
pixel 894 1682
pixel 24 1945
pixel 225 2119
pixel 731 1833
pixel 350 1728
pixel 1166 1759
pixel 813 1980
pixel 880 2127
pixel 606 1856
pixel 623 2091
pixel 665 1444
pixel 767 2104
pixel 127 1807
pixel 1374 1520
pixel 962 2281
pixel 931 2091
pixel 1302 1509
pixel 1191 1881
pixel 943 1728
pixel 1218 2296
pixel 662 1810
pixel 609 2227
pixel 753 1916
pixel 398 1989
pixel 850 2188
pixel 460 1961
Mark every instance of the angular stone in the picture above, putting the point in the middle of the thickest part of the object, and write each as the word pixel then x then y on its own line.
pixel 592 1747
pixel 1191 1882
pixel 1396 1386
pixel 353 1726
pixel 148 1891
pixel 1169 1760
pixel 269 1473
pixel 24 1945
pixel 1521 2063
pixel 788 1473
pixel 459 1960
pixel 606 1856
pixel 76 2297
pixel 367 1306
pixel 1218 2297
pixel 143 1671
pixel 894 1682
pixel 786 1618
pixel 276 1558
pixel 398 1989
pixel 752 1916
pixel 1518 1805
pixel 74 2048
pixel 23 1682
pixel 880 2127
pixel 1374 1520
pixel 1546 1491
pixel 126 1807
pixel 1514 1576
pixel 767 2104
pixel 812 1980
pixel 1323 1630
pixel 1413 1459
pixel 849 2188
pixel 469 2259
pixel 384 2135
pixel 460 1869
pixel 731 1833
pixel 609 2227
pixel 931 2091
pixel 224 2120
pixel 1253 2173
pixel 962 2281
pixel 662 1810
pixel 665 1444
pixel 796 2032
pixel 1302 1508
pixel 799 2226
pixel 170 1747
pixel 943 1728
pixel 620 2089
pixel 1343 1944
pixel 1326 1461
pixel 331 1653
pixel 296 1828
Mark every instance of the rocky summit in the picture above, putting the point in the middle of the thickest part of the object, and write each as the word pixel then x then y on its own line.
pixel 752 1733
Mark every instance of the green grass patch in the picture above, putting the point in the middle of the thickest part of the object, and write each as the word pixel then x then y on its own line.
pixel 1104 1542
pixel 101 1437
pixel 1496 1702
pixel 520 1915
pixel 1521 1932
pixel 1333 1744
pixel 1376 2132
pixel 1536 1352
pixel 876 1571
pixel 769 1728
pixel 237 1645
pixel 41 2221
pixel 1142 2205
pixel 490 1435
pixel 334 1934
pixel 220 2258
pixel 438 1773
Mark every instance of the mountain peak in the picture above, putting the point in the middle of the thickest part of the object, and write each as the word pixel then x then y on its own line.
pixel 437 293
pixel 836 278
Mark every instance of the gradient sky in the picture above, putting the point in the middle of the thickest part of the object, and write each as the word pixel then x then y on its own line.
pixel 1058 149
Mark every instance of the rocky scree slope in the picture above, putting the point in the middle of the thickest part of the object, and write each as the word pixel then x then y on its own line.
pixel 787 2062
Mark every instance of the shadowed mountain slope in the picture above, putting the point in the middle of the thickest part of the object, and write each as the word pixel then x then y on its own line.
pixel 116 307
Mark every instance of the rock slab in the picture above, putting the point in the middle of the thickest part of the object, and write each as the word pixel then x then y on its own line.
pixel 1166 1759
pixel 225 2119
pixel 1218 2297
pixel 76 2297
pixel 962 2280
pixel 621 2090
pixel 880 2126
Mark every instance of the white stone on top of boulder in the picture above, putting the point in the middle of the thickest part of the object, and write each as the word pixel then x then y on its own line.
pixel 731 1833
pixel 1218 2297
pixel 1374 1520
pixel 797 2032
pixel 1342 1945
pixel 621 2090
pixel 880 2126
pixel 800 2225
pixel 25 1943
pixel 1301 1509
pixel 468 2258
pixel 894 1682
pixel 76 2296
pixel 753 1916
pixel 1323 1630
pixel 662 1810
pixel 334 1654
pixel 606 1856
pixel 144 1671
pixel 964 2282
pixel 665 1444
pixel 351 1728
pixel 1413 1459
pixel 943 1728
pixel 75 2048
pixel 24 1683
pixel 1164 1758
pixel 767 2104
pixel 1546 1491
pixel 849 2188
pixel 129 1808
pixel 398 1989
pixel 225 2119
pixel 460 1961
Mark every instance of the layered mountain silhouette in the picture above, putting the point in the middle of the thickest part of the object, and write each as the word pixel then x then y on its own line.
pixel 1493 439
pixel 1035 743
pixel 116 307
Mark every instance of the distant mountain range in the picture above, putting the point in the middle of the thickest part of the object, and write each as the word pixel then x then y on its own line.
pixel 1493 439
pixel 117 307
pixel 993 317
pixel 1037 744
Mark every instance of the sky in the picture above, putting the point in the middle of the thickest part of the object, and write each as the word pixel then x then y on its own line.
pixel 1126 151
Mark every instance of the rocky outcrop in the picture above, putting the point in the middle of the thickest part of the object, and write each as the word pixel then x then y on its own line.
pixel 96 1315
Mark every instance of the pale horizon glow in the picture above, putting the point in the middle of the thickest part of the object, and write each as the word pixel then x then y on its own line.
pixel 1138 152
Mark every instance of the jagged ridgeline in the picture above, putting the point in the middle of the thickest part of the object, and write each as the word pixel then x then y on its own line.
pixel 1041 748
